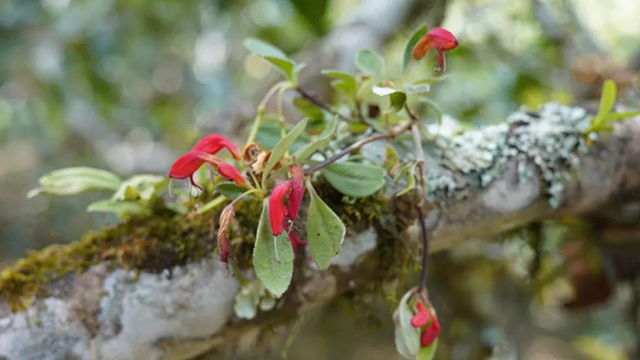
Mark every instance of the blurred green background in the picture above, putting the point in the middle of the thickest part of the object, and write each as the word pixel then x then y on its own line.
pixel 126 85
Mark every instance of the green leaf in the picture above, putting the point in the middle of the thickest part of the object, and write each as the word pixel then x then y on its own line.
pixel 408 48
pixel 139 187
pixel 314 12
pixel 120 208
pixel 353 179
pixel 263 48
pixel 427 353
pixel 325 230
pixel 321 142
pixel 407 170
pixel 620 116
pixel 391 158
pixel 370 62
pixel 607 99
pixel 281 148
pixel 407 337
pixel 275 56
pixel 211 205
pixel 433 105
pixel 230 190
pixel 76 180
pixel 274 275
pixel 269 135
pixel 396 98
pixel 344 83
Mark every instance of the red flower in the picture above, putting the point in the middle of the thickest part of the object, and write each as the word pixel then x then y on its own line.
pixel 430 334
pixel 276 206
pixel 213 143
pixel 440 39
pixel 190 162
pixel 421 318
pixel 284 204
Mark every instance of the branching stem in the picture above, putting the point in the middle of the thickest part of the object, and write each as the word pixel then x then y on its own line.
pixel 320 104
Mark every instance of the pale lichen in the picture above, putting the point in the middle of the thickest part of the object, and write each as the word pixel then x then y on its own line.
pixel 548 142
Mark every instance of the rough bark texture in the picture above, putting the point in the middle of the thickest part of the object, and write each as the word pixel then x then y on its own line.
pixel 483 182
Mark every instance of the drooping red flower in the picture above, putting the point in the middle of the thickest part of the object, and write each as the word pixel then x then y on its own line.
pixel 295 241
pixel 190 162
pixel 185 166
pixel 421 318
pixel 440 39
pixel 277 210
pixel 213 143
pixel 430 334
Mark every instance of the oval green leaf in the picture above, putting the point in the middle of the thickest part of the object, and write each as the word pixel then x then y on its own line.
pixel 321 142
pixel 274 275
pixel 230 190
pixel 429 352
pixel 120 208
pixel 325 230
pixel 407 337
pixel 75 180
pixel 370 62
pixel 353 179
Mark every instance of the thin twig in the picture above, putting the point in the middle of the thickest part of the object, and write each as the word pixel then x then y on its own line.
pixel 357 145
pixel 320 104
pixel 425 251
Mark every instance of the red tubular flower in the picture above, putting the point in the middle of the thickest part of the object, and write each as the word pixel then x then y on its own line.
pixel 277 208
pixel 430 334
pixel 213 143
pixel 185 166
pixel 229 172
pixel 295 241
pixel 421 318
pixel 440 39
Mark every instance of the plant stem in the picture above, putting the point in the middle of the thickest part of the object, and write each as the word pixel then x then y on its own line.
pixel 425 251
pixel 320 104
pixel 357 145
pixel 260 110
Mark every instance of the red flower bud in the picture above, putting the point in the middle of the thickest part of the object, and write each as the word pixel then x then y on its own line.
pixel 430 334
pixel 421 318
pixel 229 172
pixel 440 39
pixel 297 192
pixel 213 143
pixel 277 208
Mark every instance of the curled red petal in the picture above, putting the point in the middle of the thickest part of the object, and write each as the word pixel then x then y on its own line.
pixel 213 143
pixel 297 191
pixel 227 171
pixel 421 317
pixel 277 208
pixel 430 334
pixel 296 242
pixel 186 165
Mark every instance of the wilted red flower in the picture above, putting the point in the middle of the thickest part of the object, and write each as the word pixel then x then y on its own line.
pixel 223 242
pixel 213 143
pixel 440 39
pixel 295 240
pixel 297 190
pixel 421 318
pixel 227 171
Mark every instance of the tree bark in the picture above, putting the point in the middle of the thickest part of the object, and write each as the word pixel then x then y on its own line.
pixel 481 183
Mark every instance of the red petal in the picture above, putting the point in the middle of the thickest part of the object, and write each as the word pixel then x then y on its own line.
pixel 213 143
pixel 229 172
pixel 442 39
pixel 421 47
pixel 421 318
pixel 276 206
pixel 430 334
pixel 297 192
pixel 186 165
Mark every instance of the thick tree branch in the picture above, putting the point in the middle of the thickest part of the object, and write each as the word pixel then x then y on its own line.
pixel 485 181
